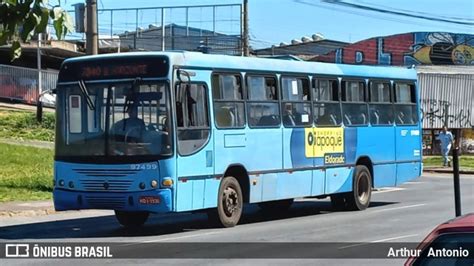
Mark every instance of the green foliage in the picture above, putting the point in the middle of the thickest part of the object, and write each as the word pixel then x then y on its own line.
pixel 23 125
pixel 26 173
pixel 21 19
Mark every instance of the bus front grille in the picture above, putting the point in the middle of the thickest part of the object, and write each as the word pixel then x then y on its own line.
pixel 105 185
pixel 106 202
pixel 107 172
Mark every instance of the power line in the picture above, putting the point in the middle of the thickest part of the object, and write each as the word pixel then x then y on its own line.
pixel 418 12
pixel 376 15
pixel 391 12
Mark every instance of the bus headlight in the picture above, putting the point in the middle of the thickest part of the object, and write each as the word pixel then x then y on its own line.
pixel 167 182
pixel 71 184
pixel 61 183
pixel 154 183
pixel 142 185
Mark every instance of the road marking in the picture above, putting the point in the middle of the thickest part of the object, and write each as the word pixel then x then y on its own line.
pixel 172 238
pixel 378 241
pixel 383 190
pixel 414 182
pixel 399 208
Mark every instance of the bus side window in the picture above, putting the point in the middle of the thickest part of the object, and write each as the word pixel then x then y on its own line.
pixel 354 107
pixel 296 103
pixel 228 98
pixel 405 104
pixel 263 108
pixel 326 109
pixel 192 117
pixel 380 106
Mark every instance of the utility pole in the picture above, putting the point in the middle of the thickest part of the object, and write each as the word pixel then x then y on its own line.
pixel 39 104
pixel 245 43
pixel 91 31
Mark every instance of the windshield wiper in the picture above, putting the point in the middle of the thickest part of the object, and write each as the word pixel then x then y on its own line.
pixel 85 92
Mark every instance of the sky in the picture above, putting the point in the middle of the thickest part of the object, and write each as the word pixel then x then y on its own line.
pixel 274 21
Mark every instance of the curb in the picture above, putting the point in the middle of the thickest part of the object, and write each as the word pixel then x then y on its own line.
pixel 447 171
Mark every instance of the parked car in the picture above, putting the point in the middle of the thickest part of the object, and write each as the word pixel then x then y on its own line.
pixel 450 243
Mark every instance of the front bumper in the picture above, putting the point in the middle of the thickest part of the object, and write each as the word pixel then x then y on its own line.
pixel 124 201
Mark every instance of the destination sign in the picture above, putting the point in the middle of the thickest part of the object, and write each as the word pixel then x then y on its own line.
pixel 114 67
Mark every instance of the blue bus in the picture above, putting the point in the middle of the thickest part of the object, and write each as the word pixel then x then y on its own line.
pixel 159 132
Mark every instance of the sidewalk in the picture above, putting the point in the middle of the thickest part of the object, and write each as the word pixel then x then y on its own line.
pixel 29 208
pixel 447 170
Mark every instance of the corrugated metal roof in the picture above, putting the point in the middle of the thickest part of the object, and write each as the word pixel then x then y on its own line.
pixel 449 69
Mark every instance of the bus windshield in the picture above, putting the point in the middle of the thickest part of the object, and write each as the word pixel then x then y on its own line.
pixel 110 120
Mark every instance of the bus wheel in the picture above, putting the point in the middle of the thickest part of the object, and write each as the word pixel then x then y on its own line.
pixel 229 202
pixel 361 189
pixel 131 219
pixel 276 205
pixel 359 198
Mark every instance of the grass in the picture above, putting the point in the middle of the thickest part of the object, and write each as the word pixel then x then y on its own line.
pixel 465 162
pixel 26 173
pixel 22 125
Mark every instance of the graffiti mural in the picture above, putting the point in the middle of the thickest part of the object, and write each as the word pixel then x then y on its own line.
pixel 434 110
pixel 428 48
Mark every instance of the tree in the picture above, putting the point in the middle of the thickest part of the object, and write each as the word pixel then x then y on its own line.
pixel 22 19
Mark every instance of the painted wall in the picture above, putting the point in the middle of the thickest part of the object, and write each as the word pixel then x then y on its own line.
pixel 430 48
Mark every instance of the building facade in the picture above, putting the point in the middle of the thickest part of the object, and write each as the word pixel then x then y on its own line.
pixel 178 37
pixel 447 98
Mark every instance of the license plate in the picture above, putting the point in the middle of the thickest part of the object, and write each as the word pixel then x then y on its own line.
pixel 149 200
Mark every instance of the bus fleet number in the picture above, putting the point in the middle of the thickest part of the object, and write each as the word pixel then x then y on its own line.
pixel 144 166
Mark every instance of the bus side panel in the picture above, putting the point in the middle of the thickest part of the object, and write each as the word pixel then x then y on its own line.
pixel 384 175
pixel 269 187
pixel 256 187
pixel 184 196
pixel 408 153
pixel 407 172
pixel 338 180
pixel 198 194
pixel 294 184
pixel 378 143
pixel 294 145
pixel 230 148
pixel 211 188
pixel 408 143
pixel 264 149
pixel 319 179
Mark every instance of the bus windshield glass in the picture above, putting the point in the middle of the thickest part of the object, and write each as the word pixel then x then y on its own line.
pixel 111 120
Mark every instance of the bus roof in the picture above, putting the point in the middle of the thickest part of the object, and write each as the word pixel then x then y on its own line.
pixel 212 61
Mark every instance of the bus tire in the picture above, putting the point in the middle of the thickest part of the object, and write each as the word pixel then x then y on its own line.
pixel 359 199
pixel 229 202
pixel 131 219
pixel 276 206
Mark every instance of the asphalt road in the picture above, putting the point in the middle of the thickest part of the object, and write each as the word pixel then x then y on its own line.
pixel 404 214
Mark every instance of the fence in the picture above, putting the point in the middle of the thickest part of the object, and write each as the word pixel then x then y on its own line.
pixel 21 84
pixel 213 28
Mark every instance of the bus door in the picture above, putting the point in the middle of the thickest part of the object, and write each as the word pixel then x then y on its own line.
pixel 195 162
